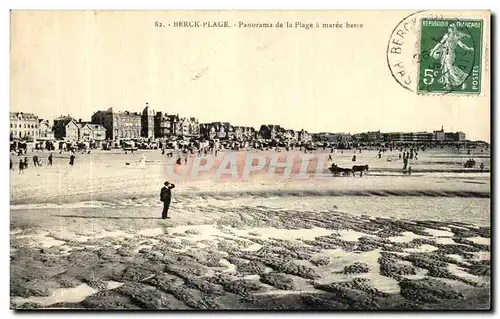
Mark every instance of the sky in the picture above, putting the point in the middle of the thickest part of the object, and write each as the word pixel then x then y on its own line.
pixel 337 80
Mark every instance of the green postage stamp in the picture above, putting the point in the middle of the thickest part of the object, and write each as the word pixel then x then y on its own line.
pixel 450 51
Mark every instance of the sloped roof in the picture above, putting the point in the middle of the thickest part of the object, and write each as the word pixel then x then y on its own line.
pixel 25 116
pixel 63 120
pixel 94 126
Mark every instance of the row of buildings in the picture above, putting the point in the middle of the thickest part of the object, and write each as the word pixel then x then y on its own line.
pixel 117 125
pixel 410 137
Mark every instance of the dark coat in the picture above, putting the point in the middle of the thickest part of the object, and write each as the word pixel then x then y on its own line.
pixel 166 194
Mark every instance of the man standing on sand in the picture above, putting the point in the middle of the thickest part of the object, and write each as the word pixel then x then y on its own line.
pixel 35 160
pixel 72 159
pixel 165 197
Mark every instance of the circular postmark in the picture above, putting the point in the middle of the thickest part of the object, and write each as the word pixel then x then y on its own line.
pixel 430 53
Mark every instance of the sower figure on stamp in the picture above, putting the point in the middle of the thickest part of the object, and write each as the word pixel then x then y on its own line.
pixel 165 197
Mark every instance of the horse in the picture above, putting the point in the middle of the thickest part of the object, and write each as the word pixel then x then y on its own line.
pixel 359 168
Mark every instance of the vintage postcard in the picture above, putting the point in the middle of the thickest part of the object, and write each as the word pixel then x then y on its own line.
pixel 251 160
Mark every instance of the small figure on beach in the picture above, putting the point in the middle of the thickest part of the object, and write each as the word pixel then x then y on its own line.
pixel 165 197
pixel 330 157
pixel 405 163
pixel 50 160
pixel 481 167
pixel 21 166
pixel 25 164
pixel 142 163
pixel 409 170
pixel 354 158
pixel 35 161
pixel 72 159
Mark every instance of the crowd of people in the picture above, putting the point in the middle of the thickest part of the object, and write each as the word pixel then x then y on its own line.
pixel 184 149
pixel 37 162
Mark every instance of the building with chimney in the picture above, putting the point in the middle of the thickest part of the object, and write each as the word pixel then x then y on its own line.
pixel 175 126
pixel 66 128
pixel 188 127
pixel 439 135
pixel 90 132
pixel 331 137
pixel 164 125
pixel 119 125
pixel 24 125
pixel 45 131
pixel 304 136
pixel 408 137
pixel 454 136
pixel 270 131
pixel 213 130
pixel 244 132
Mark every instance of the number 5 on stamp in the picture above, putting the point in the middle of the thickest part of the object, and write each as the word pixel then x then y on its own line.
pixel 452 49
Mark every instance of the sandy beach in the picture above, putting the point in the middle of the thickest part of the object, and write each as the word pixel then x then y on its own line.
pixel 90 236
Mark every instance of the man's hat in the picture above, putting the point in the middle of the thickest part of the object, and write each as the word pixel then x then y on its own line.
pixel 166 183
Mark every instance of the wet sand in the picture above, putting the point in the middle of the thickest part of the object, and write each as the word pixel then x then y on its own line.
pixel 301 247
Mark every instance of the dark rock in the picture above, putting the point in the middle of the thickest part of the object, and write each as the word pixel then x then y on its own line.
pixel 240 287
pixel 391 268
pixel 109 300
pixel 314 303
pixel 34 287
pixel 428 290
pixel 480 268
pixel 278 280
pixel 345 293
pixel 27 305
pixel 136 273
pixel 289 267
pixel 203 285
pixel 356 268
pixel 320 261
pixel 145 296
pixel 425 261
pixel 463 241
